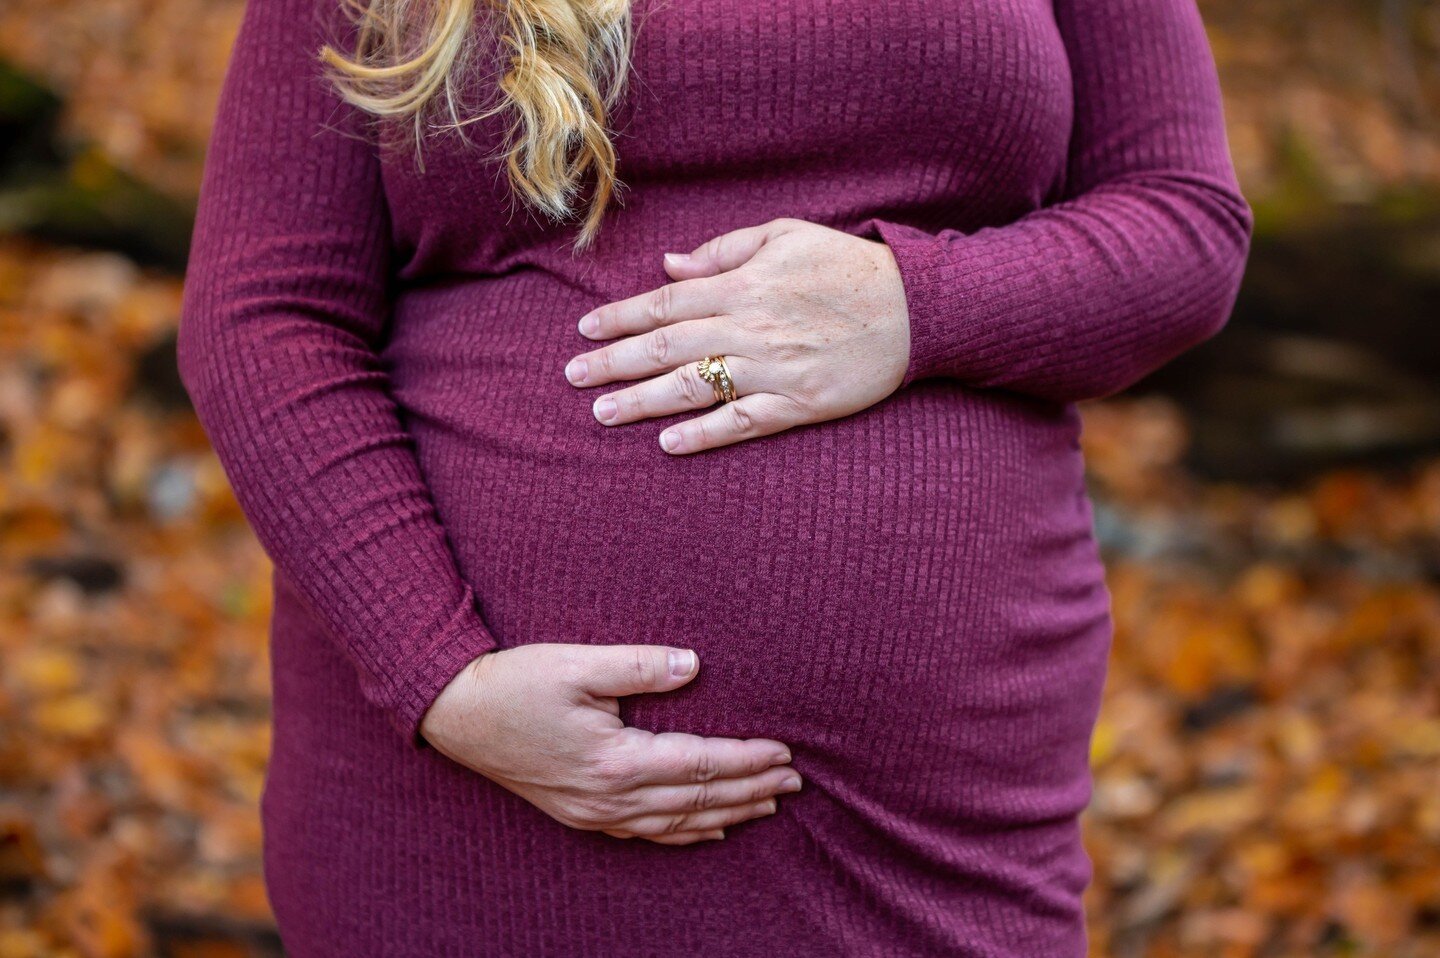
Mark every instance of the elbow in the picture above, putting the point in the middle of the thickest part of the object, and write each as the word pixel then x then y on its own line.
pixel 209 342
pixel 1231 253
pixel 190 347
pixel 1221 273
pixel 1163 330
pixel 196 349
pixel 1156 314
pixel 1190 298
pixel 1197 302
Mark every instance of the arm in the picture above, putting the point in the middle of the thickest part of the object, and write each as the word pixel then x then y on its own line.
pixel 285 304
pixel 1142 258
pixel 1139 260
pixel 286 299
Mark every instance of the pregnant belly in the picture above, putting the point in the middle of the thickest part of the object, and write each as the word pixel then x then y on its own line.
pixel 914 586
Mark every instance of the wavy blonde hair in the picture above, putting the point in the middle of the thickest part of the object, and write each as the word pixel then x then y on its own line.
pixel 568 63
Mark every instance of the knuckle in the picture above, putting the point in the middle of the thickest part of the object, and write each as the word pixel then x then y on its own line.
pixel 601 810
pixel 691 387
pixel 579 815
pixel 703 767
pixel 659 306
pixel 649 826
pixel 570 820
pixel 604 360
pixel 647 672
pixel 629 404
pixel 609 773
pixel 703 797
pixel 716 247
pixel 572 671
pixel 657 347
pixel 704 432
pixel 582 820
pixel 677 824
pixel 741 417
pixel 742 281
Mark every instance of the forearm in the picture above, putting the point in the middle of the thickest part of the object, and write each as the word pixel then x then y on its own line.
pixel 1078 300
pixel 1140 260
pixel 286 303
pixel 327 477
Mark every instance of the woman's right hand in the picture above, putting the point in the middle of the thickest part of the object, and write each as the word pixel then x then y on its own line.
pixel 543 721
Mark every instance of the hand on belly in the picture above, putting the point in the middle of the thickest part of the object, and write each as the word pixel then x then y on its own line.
pixel 811 322
pixel 542 720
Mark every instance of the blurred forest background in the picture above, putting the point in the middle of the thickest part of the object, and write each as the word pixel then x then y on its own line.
pixel 1268 759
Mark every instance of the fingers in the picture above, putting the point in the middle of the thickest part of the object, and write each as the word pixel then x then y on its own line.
pixel 716 804
pixel 615 670
pixel 759 414
pixel 716 793
pixel 658 351
pixel 727 251
pixel 701 288
pixel 681 390
pixel 687 838
pixel 683 812
pixel 663 306
pixel 656 826
pixel 698 803
pixel 679 758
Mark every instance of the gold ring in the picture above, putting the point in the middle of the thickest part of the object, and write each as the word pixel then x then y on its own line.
pixel 714 371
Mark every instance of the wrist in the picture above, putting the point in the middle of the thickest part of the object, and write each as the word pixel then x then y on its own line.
pixel 456 696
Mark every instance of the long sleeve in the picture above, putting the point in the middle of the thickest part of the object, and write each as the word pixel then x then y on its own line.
pixel 286 301
pixel 1139 260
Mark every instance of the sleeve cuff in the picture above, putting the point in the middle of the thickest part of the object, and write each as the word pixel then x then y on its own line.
pixel 917 254
pixel 984 308
pixel 461 642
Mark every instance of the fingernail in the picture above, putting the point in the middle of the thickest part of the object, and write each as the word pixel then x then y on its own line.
pixel 677 258
pixel 575 371
pixel 781 758
pixel 682 663
pixel 605 409
pixel 791 784
pixel 770 806
pixel 669 440
pixel 589 324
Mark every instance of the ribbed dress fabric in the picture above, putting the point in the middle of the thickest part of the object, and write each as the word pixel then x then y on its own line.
pixel 910 597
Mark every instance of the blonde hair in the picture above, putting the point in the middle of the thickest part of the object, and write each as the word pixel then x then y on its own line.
pixel 568 64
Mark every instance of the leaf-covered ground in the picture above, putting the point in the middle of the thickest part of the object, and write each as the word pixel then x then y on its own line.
pixel 1267 762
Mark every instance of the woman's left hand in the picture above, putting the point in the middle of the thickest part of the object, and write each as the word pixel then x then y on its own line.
pixel 812 323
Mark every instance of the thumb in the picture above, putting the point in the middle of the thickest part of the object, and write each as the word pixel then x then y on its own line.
pixel 631 669
pixel 727 251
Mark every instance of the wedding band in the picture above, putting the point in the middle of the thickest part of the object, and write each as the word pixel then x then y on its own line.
pixel 714 371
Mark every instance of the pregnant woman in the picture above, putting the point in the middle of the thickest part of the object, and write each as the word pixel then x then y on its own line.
pixel 661 418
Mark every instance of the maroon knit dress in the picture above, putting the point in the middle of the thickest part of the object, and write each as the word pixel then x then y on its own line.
pixel 909 597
